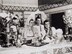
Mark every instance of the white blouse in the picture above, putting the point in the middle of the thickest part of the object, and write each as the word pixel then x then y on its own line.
pixel 28 32
pixel 39 31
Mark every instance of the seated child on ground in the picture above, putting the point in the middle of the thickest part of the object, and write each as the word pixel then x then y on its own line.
pixel 59 36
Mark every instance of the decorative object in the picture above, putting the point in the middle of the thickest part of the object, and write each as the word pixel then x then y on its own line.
pixel 68 18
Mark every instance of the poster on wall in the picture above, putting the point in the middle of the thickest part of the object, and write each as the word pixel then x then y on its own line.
pixel 37 15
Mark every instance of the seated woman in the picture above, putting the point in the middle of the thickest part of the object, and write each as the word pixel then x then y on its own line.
pixel 39 32
pixel 28 35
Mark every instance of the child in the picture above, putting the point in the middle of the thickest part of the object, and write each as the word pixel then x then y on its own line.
pixel 59 36
pixel 13 33
pixel 19 41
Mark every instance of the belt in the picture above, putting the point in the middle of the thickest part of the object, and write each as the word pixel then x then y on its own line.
pixel 30 36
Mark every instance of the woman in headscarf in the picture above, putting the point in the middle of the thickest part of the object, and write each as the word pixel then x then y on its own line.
pixel 29 32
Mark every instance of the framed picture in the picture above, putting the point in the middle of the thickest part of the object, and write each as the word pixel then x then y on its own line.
pixel 37 15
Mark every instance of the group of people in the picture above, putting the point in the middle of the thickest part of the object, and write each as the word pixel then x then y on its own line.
pixel 39 32
pixel 14 32
pixel 10 26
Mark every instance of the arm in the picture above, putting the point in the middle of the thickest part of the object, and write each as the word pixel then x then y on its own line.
pixel 43 33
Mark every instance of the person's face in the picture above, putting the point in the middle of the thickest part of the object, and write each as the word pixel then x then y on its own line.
pixel 47 24
pixel 38 21
pixel 31 23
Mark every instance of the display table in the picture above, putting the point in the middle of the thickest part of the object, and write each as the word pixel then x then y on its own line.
pixel 46 49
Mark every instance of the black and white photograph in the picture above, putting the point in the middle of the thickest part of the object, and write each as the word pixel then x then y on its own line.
pixel 35 26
